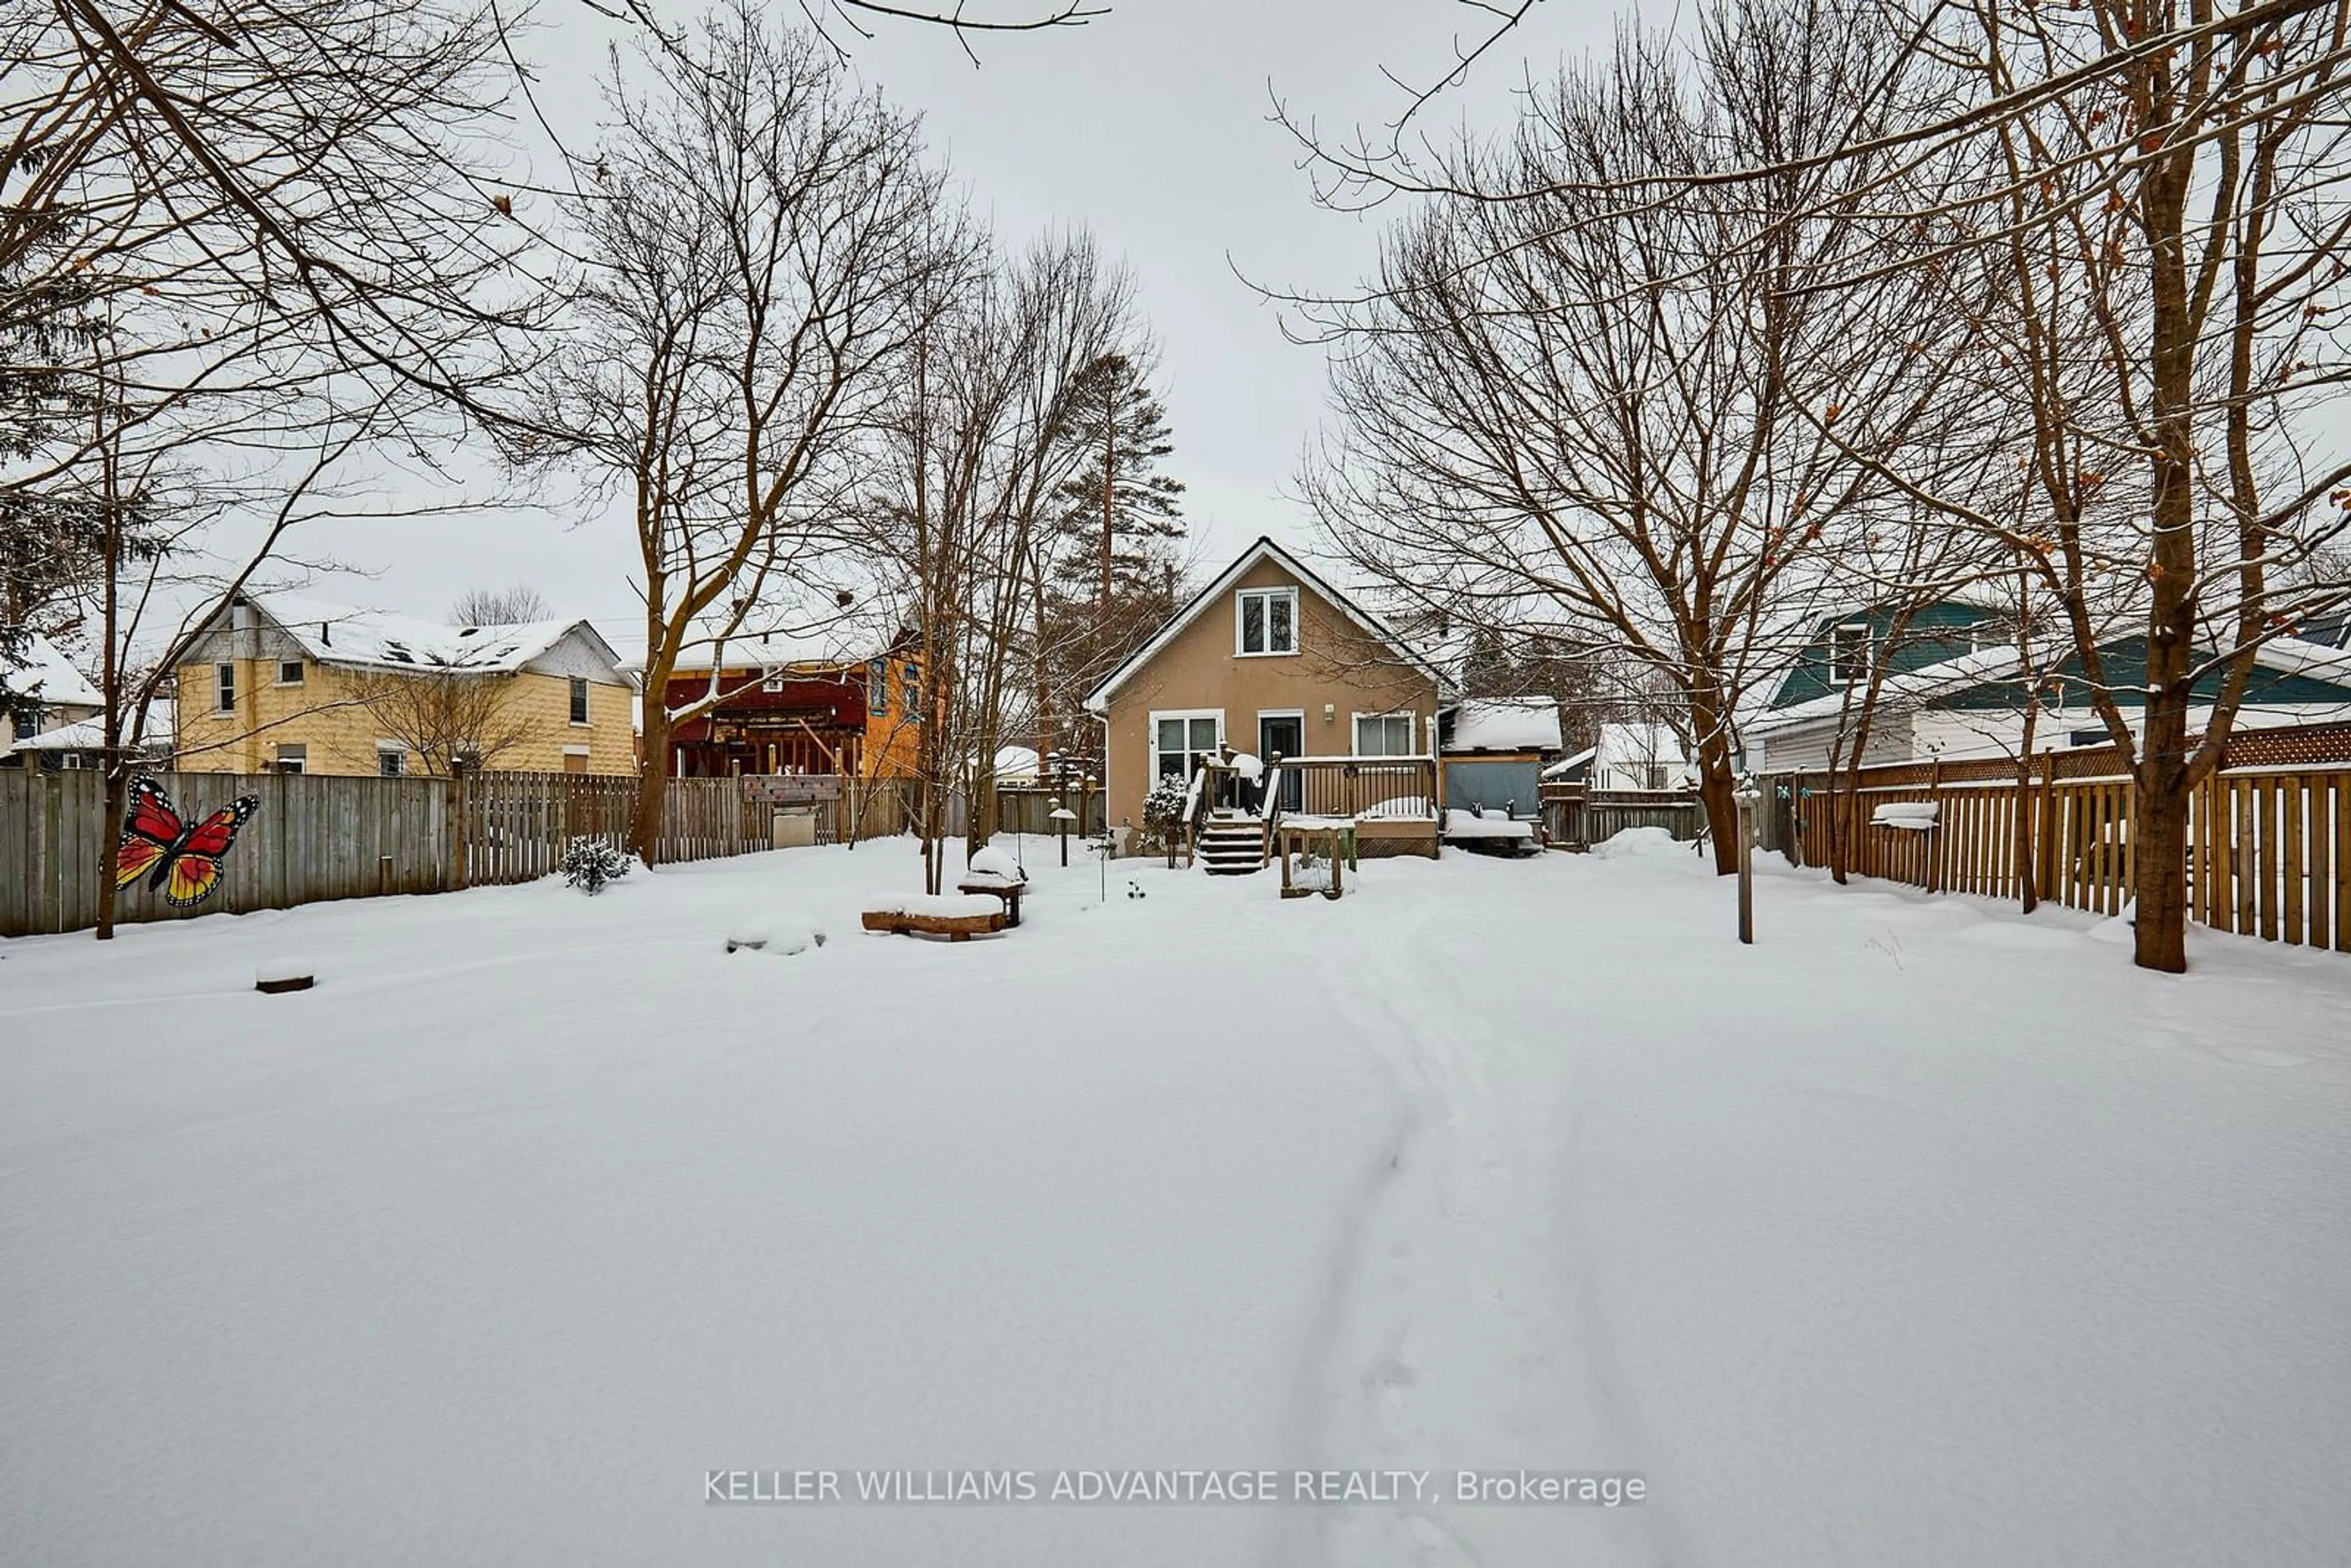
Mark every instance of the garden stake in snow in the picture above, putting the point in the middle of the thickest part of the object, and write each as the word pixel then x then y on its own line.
pixel 1745 796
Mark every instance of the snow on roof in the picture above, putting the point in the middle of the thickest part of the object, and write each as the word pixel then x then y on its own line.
pixel 1011 762
pixel 2298 656
pixel 38 669
pixel 89 733
pixel 341 635
pixel 2288 655
pixel 828 636
pixel 1505 724
pixel 1930 681
pixel 1567 764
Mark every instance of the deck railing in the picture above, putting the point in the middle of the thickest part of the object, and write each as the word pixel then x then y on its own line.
pixel 1403 787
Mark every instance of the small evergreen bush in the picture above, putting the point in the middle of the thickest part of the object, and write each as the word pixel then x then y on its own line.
pixel 590 863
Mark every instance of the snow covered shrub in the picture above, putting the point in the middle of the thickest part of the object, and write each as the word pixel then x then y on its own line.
pixel 590 863
pixel 1163 814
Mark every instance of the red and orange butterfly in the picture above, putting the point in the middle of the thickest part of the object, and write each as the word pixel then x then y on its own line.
pixel 185 860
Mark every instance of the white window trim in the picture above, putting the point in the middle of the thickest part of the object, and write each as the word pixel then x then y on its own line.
pixel 1239 594
pixel 1187 713
pixel 586 689
pixel 575 752
pixel 301 672
pixel 229 706
pixel 1868 653
pixel 399 749
pixel 1354 731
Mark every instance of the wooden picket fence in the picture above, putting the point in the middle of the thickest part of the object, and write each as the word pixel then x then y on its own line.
pixel 2268 832
pixel 318 837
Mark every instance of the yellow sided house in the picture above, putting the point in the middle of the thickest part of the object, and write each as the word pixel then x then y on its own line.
pixel 1275 697
pixel 286 684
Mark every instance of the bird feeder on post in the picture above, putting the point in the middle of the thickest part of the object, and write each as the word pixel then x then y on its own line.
pixel 1061 816
pixel 1746 795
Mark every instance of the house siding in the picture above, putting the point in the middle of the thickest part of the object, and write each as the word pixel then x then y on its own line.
pixel 1937 632
pixel 1338 663
pixel 339 734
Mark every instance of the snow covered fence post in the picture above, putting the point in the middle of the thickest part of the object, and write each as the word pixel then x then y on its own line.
pixel 1746 795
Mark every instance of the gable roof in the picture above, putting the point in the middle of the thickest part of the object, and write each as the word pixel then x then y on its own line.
pixel 39 670
pixel 1932 684
pixel 1263 550
pixel 339 634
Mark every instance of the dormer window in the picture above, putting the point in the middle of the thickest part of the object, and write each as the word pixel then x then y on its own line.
pixel 1849 654
pixel 1266 619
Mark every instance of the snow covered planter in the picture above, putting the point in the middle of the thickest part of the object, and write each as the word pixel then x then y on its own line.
pixel 1163 815
pixel 590 863
pixel 780 937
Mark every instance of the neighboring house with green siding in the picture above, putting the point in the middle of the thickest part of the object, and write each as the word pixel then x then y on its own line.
pixel 1954 688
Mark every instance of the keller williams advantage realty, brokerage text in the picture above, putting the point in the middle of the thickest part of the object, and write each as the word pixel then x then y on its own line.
pixel 1157 1488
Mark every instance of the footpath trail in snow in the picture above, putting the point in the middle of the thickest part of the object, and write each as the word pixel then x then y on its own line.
pixel 1917 1233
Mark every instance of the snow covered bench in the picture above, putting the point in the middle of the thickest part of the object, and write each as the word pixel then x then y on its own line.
pixel 1493 833
pixel 956 916
pixel 1005 890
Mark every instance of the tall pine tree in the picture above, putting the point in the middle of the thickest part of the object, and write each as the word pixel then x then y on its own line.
pixel 1117 513
pixel 1109 570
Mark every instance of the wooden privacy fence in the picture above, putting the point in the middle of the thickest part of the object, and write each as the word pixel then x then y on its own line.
pixel 318 837
pixel 1029 809
pixel 1575 815
pixel 2269 834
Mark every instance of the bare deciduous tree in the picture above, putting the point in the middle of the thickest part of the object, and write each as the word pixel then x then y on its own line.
pixel 500 606
pixel 759 237
pixel 451 718
pixel 1559 407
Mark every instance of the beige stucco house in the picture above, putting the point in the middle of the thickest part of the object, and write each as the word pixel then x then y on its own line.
pixel 1271 661
pixel 277 683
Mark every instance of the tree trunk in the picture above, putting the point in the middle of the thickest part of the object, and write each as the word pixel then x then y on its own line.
pixel 2160 870
pixel 652 779
pixel 118 800
pixel 1716 787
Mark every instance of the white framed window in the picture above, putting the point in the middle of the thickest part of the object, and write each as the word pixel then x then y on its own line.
pixel 580 699
pixel 390 759
pixel 1849 654
pixel 773 680
pixel 289 671
pixel 292 758
pixel 224 687
pixel 1265 622
pixel 1384 735
pixel 1181 741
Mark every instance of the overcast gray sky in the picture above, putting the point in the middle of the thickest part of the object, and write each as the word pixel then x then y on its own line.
pixel 1148 125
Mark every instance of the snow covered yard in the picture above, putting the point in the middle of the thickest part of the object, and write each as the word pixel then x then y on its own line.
pixel 1918 1233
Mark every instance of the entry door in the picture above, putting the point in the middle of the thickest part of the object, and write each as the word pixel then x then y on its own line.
pixel 1284 737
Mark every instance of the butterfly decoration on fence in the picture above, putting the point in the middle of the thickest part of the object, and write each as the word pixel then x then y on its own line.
pixel 180 861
